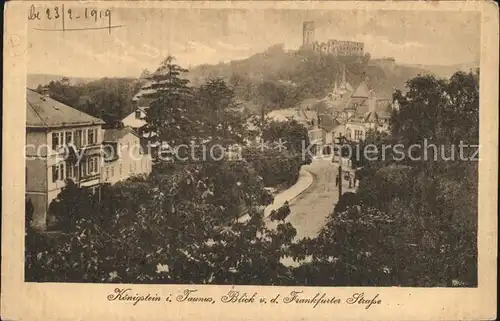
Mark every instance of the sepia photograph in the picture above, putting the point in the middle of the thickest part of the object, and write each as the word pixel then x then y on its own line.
pixel 289 159
pixel 340 149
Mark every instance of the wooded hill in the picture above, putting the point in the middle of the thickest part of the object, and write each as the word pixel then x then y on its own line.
pixel 279 78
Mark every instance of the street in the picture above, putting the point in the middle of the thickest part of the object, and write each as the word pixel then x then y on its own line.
pixel 311 208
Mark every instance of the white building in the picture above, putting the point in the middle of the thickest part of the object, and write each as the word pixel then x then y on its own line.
pixel 61 143
pixel 126 155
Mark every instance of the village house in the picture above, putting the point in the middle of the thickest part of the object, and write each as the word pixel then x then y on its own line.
pixel 126 155
pixel 352 113
pixel 61 143
pixel 365 112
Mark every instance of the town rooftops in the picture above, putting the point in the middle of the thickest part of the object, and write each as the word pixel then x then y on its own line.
pixel 45 112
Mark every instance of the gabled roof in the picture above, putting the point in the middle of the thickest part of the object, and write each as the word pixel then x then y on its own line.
pixel 371 117
pixel 362 91
pixel 114 135
pixel 132 121
pixel 45 112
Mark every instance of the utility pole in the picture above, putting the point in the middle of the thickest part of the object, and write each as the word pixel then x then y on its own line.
pixel 340 142
pixel 340 176
pixel 262 117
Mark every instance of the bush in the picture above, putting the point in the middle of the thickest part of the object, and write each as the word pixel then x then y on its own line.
pixel 275 168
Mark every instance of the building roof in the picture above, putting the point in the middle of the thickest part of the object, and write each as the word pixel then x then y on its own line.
pixel 309 114
pixel 328 123
pixel 307 103
pixel 362 91
pixel 283 114
pixel 134 122
pixel 371 117
pixel 114 135
pixel 45 112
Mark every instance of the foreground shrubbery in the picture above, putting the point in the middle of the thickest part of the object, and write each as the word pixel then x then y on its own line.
pixel 276 168
pixel 180 227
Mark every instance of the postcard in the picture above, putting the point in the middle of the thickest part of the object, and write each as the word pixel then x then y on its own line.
pixel 250 160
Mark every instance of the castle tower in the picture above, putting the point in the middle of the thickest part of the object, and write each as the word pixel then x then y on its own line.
pixel 308 34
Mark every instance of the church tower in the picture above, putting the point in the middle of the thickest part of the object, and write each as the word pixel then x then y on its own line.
pixel 308 34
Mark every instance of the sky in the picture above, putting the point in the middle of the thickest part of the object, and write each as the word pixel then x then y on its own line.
pixel 209 36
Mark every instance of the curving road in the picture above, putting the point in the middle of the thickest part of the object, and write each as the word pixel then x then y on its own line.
pixel 310 209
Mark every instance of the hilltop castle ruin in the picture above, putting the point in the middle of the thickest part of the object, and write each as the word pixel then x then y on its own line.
pixel 332 46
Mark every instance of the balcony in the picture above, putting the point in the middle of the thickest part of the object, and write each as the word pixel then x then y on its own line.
pixel 76 153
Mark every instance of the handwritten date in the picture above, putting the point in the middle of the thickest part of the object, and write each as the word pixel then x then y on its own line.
pixel 59 12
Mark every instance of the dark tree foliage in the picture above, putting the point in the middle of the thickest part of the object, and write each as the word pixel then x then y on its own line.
pixel 277 168
pixel 416 223
pixel 291 134
pixel 108 98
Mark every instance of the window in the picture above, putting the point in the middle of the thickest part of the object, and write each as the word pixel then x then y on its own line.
pixel 69 137
pixel 91 136
pixel 78 138
pixel 138 114
pixel 107 174
pixel 96 165
pixel 112 171
pixel 121 169
pixel 70 171
pixel 90 167
pixel 93 166
pixel 55 140
pixel 55 173
pixel 61 171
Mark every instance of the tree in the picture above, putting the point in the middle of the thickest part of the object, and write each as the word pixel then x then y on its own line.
pixel 108 98
pixel 172 111
pixel 186 229
pixel 353 248
pixel 277 168
pixel 291 134
pixel 145 74
pixel 346 200
pixel 71 205
pixel 281 213
pixel 221 122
